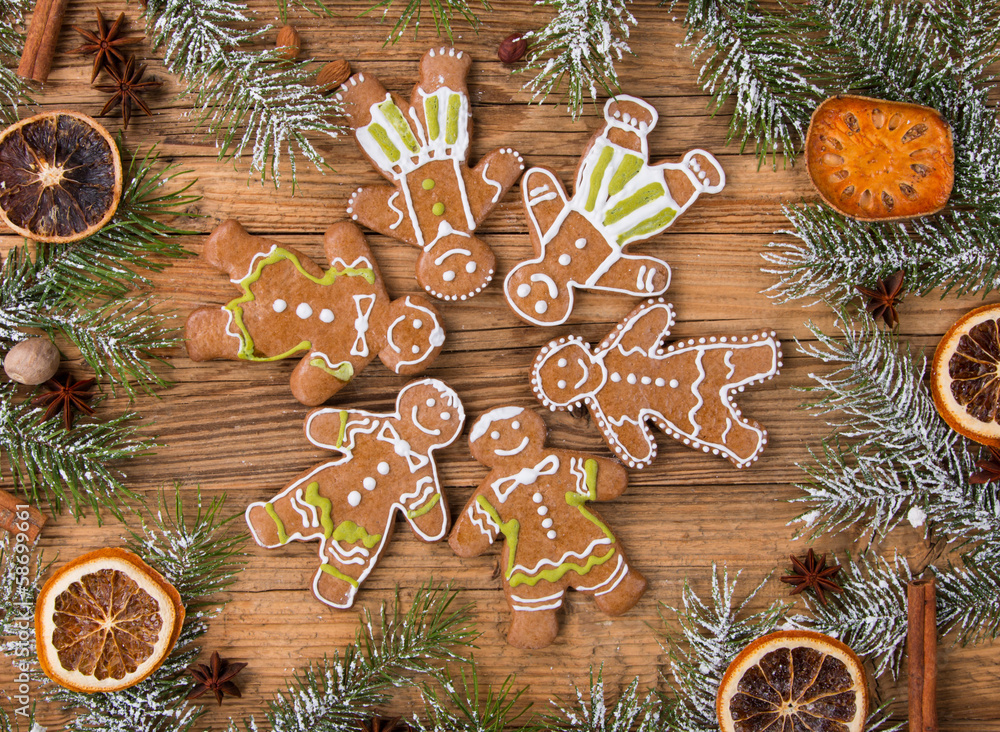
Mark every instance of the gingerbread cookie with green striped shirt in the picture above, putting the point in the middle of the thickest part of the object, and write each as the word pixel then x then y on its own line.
pixel 384 467
pixel 620 198
pixel 435 200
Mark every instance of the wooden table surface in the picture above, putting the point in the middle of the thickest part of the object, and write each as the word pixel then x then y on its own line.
pixel 234 428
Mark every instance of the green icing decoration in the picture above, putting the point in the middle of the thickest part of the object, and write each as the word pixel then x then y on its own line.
pixel 344 371
pixel 352 534
pixel 398 122
pixel 425 508
pixel 282 536
pixel 279 255
pixel 428 184
pixel 343 427
pixel 338 574
pixel 431 113
pixel 510 530
pixel 380 136
pixel 634 202
pixel 556 573
pixel 313 498
pixel 627 170
pixel 437 208
pixel 597 176
pixel 649 226
pixel 451 131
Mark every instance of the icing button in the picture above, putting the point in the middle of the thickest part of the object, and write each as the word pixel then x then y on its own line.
pixel 674 383
pixel 304 310
pixel 541 306
pixel 369 483
pixel 354 498
pixel 279 306
pixel 470 267
pixel 616 377
pixel 547 523
pixel 523 290
pixel 580 243
pixel 537 498
pixel 437 209
pixel 542 510
pixel 428 184
pixel 402 448
pixel 630 378
pixel 565 259
pixel 383 468
pixel 326 315
pixel 551 534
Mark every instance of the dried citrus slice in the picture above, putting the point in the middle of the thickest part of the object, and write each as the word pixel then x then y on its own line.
pixel 60 177
pixel 106 621
pixel 964 377
pixel 793 681
pixel 876 160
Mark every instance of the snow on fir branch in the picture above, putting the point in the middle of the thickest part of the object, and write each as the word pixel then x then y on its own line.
pixel 14 91
pixel 633 711
pixel 890 456
pixel 200 555
pixel 702 642
pixel 465 707
pixel 578 50
pixel 247 99
pixel 442 12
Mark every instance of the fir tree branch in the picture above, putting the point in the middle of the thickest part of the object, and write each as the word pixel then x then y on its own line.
pixel 272 100
pixel 891 451
pixel 14 91
pixel 62 466
pixel 762 58
pixel 338 693
pixel 630 713
pixel 707 639
pixel 870 614
pixel 443 13
pixel 968 601
pixel 467 708
pixel 579 48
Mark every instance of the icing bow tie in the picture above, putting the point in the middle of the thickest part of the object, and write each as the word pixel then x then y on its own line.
pixel 364 305
pixel 402 448
pixel 525 476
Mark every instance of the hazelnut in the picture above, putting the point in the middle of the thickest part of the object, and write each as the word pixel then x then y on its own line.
pixel 289 43
pixel 32 362
pixel 332 75
pixel 512 48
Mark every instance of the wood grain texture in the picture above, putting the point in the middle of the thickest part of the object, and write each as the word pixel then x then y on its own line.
pixel 234 428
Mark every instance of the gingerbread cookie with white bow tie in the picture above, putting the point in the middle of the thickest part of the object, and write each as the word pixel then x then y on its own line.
pixel 537 499
pixel 619 198
pixel 385 466
pixel 336 321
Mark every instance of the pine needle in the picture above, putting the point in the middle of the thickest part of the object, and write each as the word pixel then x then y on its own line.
pixel 442 12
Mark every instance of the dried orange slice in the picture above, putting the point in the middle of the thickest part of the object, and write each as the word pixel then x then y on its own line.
pixel 793 680
pixel 106 621
pixel 60 177
pixel 965 376
pixel 875 160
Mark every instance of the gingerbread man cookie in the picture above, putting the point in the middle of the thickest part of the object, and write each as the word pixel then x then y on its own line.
pixel 386 466
pixel 686 389
pixel 537 499
pixel 435 201
pixel 338 320
pixel 619 199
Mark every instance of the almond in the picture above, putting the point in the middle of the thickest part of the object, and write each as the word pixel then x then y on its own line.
pixel 332 75
pixel 289 42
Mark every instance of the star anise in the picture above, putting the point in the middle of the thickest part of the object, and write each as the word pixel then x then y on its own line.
pixel 104 43
pixel 883 299
pixel 381 724
pixel 216 677
pixel 65 394
pixel 811 573
pixel 989 470
pixel 127 89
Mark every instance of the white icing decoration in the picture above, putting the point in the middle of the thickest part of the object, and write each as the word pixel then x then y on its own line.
pixel 448 276
pixel 523 290
pixel 546 523
pixel 434 339
pixel 304 310
pixel 537 498
pixel 541 306
pixel 354 498
pixel 364 304
pixel 450 252
pixel 483 424
pixel 326 315
pixel 470 267
pixel 580 243
pixel 565 259
pixel 542 510
pixel 514 450
pixel 496 196
pixel 416 423
pixel 369 483
pixel 674 383
pixel 551 535
pixel 529 605
pixel 392 198
pixel 383 468
pixel 503 487
pixel 279 306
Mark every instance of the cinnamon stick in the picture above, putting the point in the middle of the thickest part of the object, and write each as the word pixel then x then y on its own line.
pixel 43 35
pixel 921 647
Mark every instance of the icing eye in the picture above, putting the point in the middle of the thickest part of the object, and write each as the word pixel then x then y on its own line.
pixel 470 267
pixel 431 402
pixel 516 425
pixel 417 324
pixel 445 416
pixel 416 349
pixel 562 363
pixel 565 259
pixel 523 290
pixel 495 435
pixel 561 384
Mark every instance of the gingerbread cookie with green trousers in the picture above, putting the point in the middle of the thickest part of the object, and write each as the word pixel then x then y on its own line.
pixel 336 320
pixel 435 200
pixel 620 198
pixel 537 500
pixel 385 466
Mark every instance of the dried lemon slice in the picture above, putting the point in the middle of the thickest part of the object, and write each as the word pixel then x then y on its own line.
pixel 875 160
pixel 793 680
pixel 106 621
pixel 60 177
pixel 965 376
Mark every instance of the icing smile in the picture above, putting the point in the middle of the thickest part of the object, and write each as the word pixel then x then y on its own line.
pixel 515 450
pixel 420 427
